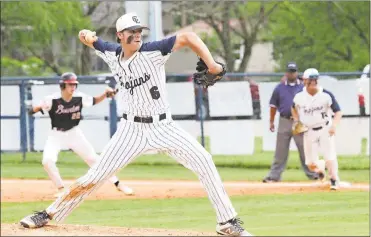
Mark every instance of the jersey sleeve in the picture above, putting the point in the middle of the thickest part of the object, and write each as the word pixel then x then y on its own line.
pixel 159 50
pixel 87 100
pixel 274 101
pixel 46 103
pixel 295 100
pixel 333 102
pixel 106 50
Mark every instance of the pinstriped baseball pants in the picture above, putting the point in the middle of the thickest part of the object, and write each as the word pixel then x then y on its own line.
pixel 131 140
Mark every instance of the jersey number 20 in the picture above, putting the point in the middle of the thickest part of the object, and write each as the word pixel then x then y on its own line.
pixel 155 93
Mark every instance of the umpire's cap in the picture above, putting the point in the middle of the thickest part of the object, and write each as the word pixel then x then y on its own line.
pixel 69 77
pixel 291 67
pixel 311 74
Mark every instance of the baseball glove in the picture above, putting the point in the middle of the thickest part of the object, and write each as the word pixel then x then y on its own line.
pixel 298 128
pixel 204 78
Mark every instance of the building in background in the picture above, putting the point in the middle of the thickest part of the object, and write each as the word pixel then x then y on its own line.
pixel 261 59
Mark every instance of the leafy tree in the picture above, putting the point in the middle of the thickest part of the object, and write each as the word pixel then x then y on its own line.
pixel 32 66
pixel 39 28
pixel 331 36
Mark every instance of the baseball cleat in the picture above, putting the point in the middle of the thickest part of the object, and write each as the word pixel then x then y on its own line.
pixel 322 176
pixel 269 180
pixel 334 184
pixel 232 228
pixel 125 189
pixel 36 220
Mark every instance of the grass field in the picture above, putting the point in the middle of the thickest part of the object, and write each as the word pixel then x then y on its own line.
pixel 159 166
pixel 317 214
pixel 175 172
pixel 339 214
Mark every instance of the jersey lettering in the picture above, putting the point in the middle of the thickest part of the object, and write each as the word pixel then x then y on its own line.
pixel 310 110
pixel 62 110
pixel 130 85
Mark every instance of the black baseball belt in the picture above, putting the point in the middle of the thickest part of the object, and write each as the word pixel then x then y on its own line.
pixel 148 119
pixel 319 128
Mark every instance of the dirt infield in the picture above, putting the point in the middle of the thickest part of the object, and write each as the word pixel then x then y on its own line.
pixel 84 230
pixel 42 190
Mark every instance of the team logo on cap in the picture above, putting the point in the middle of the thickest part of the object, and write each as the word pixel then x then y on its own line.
pixel 135 19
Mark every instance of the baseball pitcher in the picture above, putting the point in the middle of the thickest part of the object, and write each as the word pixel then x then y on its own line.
pixel 312 111
pixel 64 110
pixel 146 123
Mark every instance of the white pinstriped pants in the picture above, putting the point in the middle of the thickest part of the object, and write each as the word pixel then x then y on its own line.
pixel 131 140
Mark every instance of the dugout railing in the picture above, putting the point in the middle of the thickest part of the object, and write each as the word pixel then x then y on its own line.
pixel 26 122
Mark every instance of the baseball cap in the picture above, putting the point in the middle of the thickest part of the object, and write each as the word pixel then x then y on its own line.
pixel 129 21
pixel 291 67
pixel 311 73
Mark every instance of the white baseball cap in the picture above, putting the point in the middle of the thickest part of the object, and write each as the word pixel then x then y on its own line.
pixel 129 21
pixel 311 73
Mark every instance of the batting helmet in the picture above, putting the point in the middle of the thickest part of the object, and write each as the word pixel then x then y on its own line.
pixel 68 77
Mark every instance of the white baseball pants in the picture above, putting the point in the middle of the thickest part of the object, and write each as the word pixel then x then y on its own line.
pixel 318 142
pixel 73 139
pixel 131 140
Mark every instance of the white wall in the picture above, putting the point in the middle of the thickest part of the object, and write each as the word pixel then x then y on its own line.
pixel 230 99
pixel 10 128
pixel 226 99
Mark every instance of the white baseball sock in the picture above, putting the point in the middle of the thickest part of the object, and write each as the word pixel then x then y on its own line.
pixel 332 166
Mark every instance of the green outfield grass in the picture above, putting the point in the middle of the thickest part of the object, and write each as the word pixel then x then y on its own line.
pixel 321 214
pixel 145 172
pixel 249 167
pixel 259 160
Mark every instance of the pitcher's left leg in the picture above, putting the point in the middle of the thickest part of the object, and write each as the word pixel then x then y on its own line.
pixel 187 151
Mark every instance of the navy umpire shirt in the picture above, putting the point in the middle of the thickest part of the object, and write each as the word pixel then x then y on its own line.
pixel 283 97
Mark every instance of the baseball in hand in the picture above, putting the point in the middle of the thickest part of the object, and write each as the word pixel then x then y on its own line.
pixel 89 36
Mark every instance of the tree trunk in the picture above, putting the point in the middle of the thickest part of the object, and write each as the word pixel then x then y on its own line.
pixel 226 37
pixel 85 61
pixel 77 57
pixel 183 15
pixel 50 61
pixel 246 55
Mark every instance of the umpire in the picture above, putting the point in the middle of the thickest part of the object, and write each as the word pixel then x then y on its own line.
pixel 281 100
